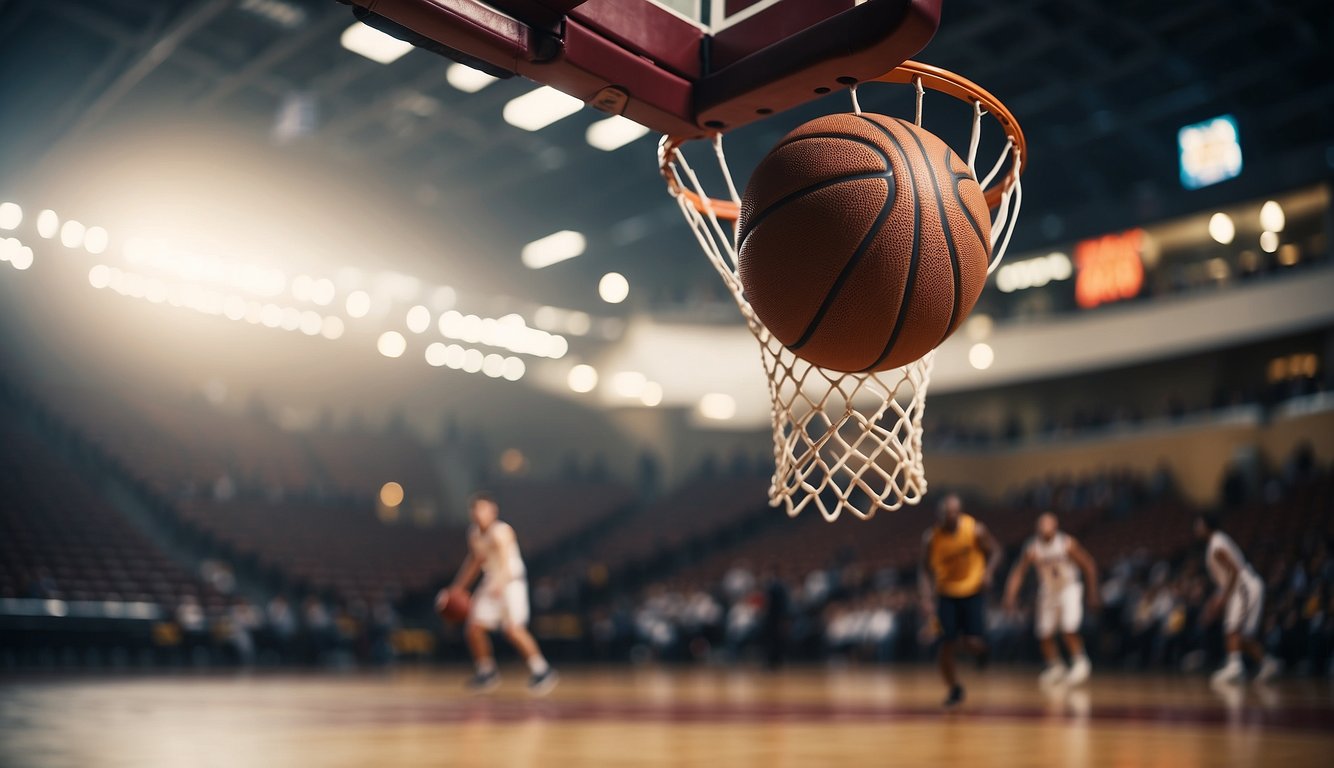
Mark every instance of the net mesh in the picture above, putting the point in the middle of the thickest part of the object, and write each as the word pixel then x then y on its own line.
pixel 843 442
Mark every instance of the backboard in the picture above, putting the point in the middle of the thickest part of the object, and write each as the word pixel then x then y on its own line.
pixel 682 67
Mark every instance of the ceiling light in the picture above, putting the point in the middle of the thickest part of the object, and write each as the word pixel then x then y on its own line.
pixel 1221 228
pixel 467 79
pixel 613 133
pixel 981 356
pixel 514 369
pixel 419 319
pixel 553 249
pixel 374 44
pixel 583 378
pixel 1271 216
pixel 71 234
pixel 436 354
pixel 1268 242
pixel 11 215
pixel 332 328
pixel 95 240
pixel 613 287
pixel 48 223
pixel 537 109
pixel 652 394
pixel 358 304
pixel 717 406
pixel 392 344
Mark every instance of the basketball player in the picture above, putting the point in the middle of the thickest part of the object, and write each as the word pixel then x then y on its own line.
pixel 1240 598
pixel 959 556
pixel 1054 555
pixel 501 600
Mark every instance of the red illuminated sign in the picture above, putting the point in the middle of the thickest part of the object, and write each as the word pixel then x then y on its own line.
pixel 1110 268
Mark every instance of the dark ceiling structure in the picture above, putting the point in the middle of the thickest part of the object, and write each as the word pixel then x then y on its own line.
pixel 1100 87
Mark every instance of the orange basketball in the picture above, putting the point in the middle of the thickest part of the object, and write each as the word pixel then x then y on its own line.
pixel 453 605
pixel 863 242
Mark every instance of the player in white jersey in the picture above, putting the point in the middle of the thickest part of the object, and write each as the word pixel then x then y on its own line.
pixel 501 600
pixel 1058 559
pixel 1240 599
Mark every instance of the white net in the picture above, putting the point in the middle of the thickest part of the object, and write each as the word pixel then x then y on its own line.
pixel 842 441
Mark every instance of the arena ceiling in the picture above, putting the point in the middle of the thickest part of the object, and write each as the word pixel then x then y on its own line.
pixel 1101 89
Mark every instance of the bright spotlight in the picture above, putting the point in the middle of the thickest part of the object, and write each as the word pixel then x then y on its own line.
pixel 21 258
pixel 392 344
pixel 99 276
pixel 322 292
pixel 11 215
pixel 436 354
pixel 48 223
pixel 539 108
pixel 981 356
pixel 1271 217
pixel 553 249
pixel 613 133
pixel 583 378
pixel 358 304
pixel 613 288
pixel 467 79
pixel 717 406
pixel 1268 241
pixel 96 240
pixel 1221 228
pixel 419 319
pixel 514 369
pixel 473 360
pixel 493 365
pixel 391 494
pixel 374 44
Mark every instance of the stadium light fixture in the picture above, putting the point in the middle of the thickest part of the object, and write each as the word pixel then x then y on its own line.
pixel 553 249
pixel 613 133
pixel 717 406
pixel 539 108
pixel 1271 216
pixel 613 288
pixel 11 215
pixel 373 44
pixel 981 356
pixel 467 79
pixel 1221 228
pixel 392 344
pixel 583 378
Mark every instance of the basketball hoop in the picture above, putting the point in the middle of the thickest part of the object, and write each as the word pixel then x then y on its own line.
pixel 848 441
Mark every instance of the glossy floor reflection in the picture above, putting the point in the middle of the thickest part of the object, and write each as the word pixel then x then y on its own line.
pixel 615 717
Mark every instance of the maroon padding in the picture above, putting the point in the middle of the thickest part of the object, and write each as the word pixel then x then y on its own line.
pixel 619 43
pixel 647 30
pixel 865 42
pixel 658 99
pixel 774 25
pixel 465 25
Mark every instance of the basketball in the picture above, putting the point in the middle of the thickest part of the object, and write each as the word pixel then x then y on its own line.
pixel 863 242
pixel 453 605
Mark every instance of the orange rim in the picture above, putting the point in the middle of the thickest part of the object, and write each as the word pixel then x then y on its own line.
pixel 932 79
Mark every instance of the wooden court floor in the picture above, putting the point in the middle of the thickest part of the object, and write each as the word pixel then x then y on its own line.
pixel 658 717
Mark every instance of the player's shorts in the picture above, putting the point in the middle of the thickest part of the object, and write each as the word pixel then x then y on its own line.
pixel 1061 609
pixel 1243 610
pixel 961 616
pixel 509 608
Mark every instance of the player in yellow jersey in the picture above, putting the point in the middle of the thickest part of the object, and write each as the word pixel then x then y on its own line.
pixel 959 557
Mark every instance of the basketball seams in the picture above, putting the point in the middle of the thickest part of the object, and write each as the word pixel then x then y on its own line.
pixel 963 206
pixel 755 222
pixel 851 264
pixel 748 224
pixel 906 301
pixel 945 228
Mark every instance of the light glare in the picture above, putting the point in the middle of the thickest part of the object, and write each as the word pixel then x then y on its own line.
pixel 717 406
pixel 467 79
pixel 539 108
pixel 613 288
pixel 1221 228
pixel 11 215
pixel 553 249
pixel 392 344
pixel 613 133
pixel 582 378
pixel 981 356
pixel 373 44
